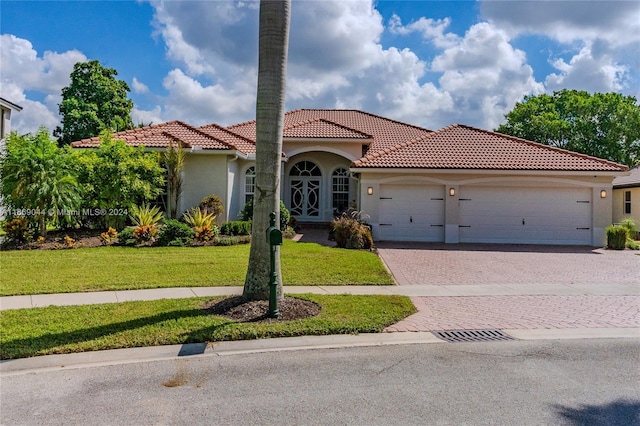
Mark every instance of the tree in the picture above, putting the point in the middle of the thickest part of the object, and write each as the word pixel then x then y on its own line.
pixel 117 176
pixel 37 180
pixel 604 125
pixel 174 158
pixel 93 102
pixel 272 67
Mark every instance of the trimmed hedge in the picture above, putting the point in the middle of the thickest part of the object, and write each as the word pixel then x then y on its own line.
pixel 237 227
pixel 616 237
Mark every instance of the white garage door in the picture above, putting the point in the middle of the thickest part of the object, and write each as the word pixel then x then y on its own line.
pixel 525 215
pixel 411 213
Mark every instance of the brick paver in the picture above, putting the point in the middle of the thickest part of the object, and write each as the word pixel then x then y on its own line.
pixel 521 312
pixel 469 264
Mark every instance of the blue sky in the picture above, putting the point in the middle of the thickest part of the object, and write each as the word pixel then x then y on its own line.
pixel 430 63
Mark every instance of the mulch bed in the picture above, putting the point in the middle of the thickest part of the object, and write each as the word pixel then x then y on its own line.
pixel 241 309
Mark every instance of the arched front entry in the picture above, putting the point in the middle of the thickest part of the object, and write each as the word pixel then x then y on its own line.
pixel 305 180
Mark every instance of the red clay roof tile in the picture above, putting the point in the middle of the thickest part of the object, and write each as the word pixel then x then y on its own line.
pixel 464 147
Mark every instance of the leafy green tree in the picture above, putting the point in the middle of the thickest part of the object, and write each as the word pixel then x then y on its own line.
pixel 117 176
pixel 94 101
pixel 272 71
pixel 604 125
pixel 37 180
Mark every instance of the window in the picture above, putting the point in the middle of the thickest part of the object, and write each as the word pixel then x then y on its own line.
pixel 249 183
pixel 340 190
pixel 627 202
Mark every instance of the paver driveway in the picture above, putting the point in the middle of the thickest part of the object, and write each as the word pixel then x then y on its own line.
pixel 526 268
pixel 468 264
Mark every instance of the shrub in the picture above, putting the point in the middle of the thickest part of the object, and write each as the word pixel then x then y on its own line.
pixel 232 240
pixel 616 237
pixel 246 214
pixel 630 226
pixel 212 204
pixel 109 237
pixel 17 230
pixel 206 232
pixel 145 234
pixel 175 233
pixel 145 215
pixel 238 227
pixel 69 242
pixel 350 232
pixel 197 217
pixel 126 238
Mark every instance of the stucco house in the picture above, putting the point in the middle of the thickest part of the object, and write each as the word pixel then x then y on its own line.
pixel 626 197
pixel 457 184
pixel 6 108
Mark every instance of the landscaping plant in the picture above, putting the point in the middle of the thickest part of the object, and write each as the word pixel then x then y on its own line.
pixel 202 223
pixel 350 232
pixel 175 233
pixel 616 237
pixel 212 204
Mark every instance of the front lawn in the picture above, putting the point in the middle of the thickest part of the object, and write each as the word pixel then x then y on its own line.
pixel 125 268
pixel 66 329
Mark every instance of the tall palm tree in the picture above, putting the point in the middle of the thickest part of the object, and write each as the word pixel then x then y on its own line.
pixel 272 71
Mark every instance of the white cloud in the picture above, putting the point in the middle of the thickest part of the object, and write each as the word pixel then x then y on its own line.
pixel 432 30
pixel 138 86
pixel 601 38
pixel 190 101
pixel 588 71
pixel 22 70
pixel 485 76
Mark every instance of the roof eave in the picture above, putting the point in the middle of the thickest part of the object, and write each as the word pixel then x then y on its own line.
pixel 418 170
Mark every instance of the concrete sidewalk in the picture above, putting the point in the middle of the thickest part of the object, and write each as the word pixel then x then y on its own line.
pixel 91 298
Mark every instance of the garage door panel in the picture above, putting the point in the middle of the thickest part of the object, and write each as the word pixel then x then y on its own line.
pixel 411 213
pixel 525 215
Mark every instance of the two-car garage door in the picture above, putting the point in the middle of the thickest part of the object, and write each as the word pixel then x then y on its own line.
pixel 525 215
pixel 487 214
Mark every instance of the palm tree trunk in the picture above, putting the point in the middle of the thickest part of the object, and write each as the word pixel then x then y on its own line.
pixel 272 71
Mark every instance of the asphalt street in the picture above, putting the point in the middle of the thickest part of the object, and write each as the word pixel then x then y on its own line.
pixel 573 382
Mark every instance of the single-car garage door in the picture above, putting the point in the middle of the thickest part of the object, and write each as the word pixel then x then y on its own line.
pixel 525 215
pixel 411 213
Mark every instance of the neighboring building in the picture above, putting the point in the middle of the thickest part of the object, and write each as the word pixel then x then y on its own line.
pixel 458 184
pixel 626 197
pixel 6 108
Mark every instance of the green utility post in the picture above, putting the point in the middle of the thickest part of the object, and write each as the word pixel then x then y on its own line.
pixel 274 238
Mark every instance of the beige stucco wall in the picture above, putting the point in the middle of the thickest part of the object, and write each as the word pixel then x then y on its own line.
pixel 204 174
pixel 351 151
pixel 618 205
pixel 601 208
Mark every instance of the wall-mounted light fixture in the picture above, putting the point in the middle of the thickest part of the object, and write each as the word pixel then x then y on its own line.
pixel 603 194
pixel 452 192
pixel 370 190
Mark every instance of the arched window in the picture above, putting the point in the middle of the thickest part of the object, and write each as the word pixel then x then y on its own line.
pixel 249 183
pixel 340 190
pixel 305 168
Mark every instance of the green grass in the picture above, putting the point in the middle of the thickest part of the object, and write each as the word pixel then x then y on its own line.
pixel 126 268
pixel 67 329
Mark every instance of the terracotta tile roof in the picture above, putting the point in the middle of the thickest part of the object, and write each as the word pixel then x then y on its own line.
pixel 631 181
pixel 384 132
pixel 242 144
pixel 320 128
pixel 159 136
pixel 465 147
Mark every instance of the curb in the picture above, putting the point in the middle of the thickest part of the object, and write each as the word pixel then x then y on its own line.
pixel 73 361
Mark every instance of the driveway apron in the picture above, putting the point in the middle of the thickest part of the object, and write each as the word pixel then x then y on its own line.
pixel 524 269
